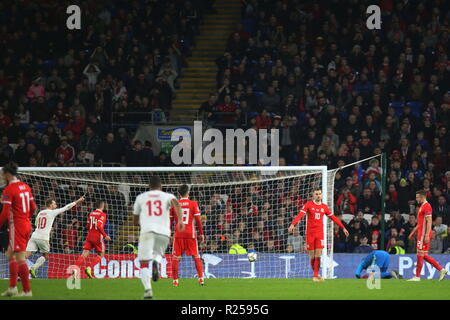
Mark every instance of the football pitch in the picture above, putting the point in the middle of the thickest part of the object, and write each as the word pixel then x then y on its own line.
pixel 239 289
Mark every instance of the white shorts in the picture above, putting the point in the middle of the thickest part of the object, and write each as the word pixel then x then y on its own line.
pixel 43 246
pixel 152 246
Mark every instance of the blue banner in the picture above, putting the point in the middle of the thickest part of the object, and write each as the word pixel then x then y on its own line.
pixel 298 266
pixel 266 266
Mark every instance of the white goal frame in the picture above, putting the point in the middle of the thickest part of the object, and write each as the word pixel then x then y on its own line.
pixel 327 261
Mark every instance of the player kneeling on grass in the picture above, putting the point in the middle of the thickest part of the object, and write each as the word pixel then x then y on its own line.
pixel 94 240
pixel 39 240
pixel 424 233
pixel 315 210
pixel 152 213
pixel 380 259
pixel 186 241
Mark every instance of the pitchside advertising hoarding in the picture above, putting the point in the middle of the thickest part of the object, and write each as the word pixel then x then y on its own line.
pixel 232 266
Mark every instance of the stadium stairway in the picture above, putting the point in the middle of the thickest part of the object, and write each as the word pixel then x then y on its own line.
pixel 199 78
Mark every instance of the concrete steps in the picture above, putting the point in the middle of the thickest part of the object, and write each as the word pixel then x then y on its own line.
pixel 199 78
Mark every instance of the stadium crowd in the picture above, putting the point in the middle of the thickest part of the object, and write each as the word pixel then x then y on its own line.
pixel 339 93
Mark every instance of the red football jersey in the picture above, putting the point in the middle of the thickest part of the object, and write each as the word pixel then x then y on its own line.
pixel 96 224
pixel 18 197
pixel 189 210
pixel 425 210
pixel 314 214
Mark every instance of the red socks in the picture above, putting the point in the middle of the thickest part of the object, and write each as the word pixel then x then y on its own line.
pixel 13 273
pixel 175 265
pixel 419 265
pixel 316 266
pixel 80 261
pixel 433 262
pixel 198 266
pixel 24 276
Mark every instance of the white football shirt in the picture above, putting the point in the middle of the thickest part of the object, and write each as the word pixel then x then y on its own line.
pixel 153 209
pixel 44 222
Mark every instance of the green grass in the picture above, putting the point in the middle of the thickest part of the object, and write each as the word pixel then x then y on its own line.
pixel 240 289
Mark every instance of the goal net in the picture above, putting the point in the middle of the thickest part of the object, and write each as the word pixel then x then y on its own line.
pixel 243 209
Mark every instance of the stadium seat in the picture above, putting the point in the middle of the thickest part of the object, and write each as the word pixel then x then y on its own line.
pixel 416 108
pixel 398 107
pixel 368 217
pixel 347 217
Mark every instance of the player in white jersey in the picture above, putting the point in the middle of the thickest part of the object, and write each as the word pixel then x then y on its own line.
pixel 152 213
pixel 39 240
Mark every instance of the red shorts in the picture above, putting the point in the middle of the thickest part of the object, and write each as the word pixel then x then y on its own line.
pixel 422 246
pixel 19 234
pixel 314 240
pixel 96 244
pixel 187 246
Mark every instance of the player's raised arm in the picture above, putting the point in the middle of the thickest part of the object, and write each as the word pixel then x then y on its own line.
pixel 68 206
pixel 176 205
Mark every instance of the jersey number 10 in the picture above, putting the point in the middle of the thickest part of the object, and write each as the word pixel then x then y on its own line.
pixel 42 222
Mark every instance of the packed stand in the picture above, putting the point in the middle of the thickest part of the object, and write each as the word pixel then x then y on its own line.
pixel 340 93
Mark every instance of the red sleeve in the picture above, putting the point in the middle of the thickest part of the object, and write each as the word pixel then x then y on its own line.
pixel 32 204
pixel 4 214
pixel 195 208
pixel 302 212
pixel 336 220
pixel 102 226
pixel 197 218
pixel 7 201
pixel 427 210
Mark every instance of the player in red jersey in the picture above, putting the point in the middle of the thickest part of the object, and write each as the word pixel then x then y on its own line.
pixel 314 211
pixel 186 241
pixel 94 240
pixel 18 207
pixel 423 230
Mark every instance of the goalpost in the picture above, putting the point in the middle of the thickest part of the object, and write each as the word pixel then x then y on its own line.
pixel 248 206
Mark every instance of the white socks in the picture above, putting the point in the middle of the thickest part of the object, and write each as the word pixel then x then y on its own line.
pixel 39 262
pixel 145 278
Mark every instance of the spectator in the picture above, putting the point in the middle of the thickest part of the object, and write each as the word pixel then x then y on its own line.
pixel 89 141
pixel 65 153
pixel 442 209
pixel 363 247
pixel 138 156
pixel 110 151
pixel 296 241
pixel 346 202
pixel 408 227
pixel 367 203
